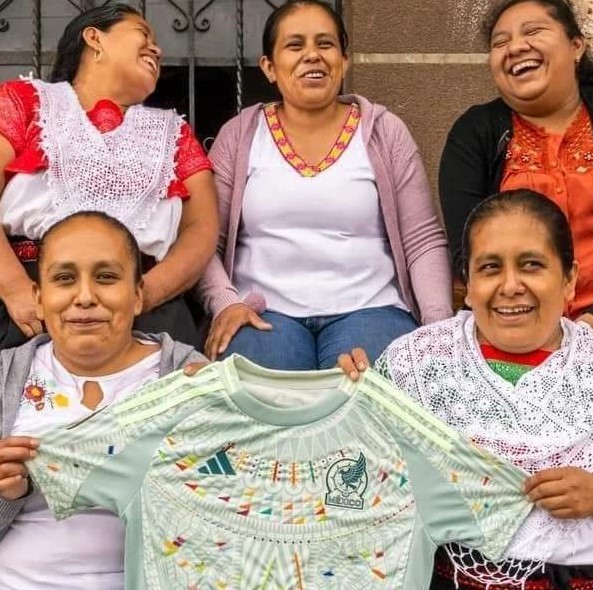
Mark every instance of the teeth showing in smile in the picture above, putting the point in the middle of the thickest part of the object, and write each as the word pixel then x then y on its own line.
pixel 151 62
pixel 524 66
pixel 314 75
pixel 510 311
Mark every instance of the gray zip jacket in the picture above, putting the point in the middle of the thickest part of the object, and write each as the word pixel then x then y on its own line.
pixel 14 371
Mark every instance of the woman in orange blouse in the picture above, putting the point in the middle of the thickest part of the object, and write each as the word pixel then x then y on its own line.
pixel 537 135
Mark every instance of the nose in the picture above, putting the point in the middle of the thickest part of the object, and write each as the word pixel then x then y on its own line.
pixel 511 283
pixel 518 44
pixel 85 295
pixel 311 52
pixel 154 48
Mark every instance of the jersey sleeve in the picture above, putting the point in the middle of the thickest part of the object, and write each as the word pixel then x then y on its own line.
pixel 18 104
pixel 463 493
pixel 101 461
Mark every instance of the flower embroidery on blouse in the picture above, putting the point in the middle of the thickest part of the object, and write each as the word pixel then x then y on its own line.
pixel 528 150
pixel 37 394
pixel 287 151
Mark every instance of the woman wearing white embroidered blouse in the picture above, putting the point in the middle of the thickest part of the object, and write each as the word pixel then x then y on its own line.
pixel 515 377
pixel 59 155
pixel 329 237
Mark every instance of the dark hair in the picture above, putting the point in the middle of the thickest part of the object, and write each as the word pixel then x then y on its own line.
pixel 131 243
pixel 72 44
pixel 270 33
pixel 561 12
pixel 535 205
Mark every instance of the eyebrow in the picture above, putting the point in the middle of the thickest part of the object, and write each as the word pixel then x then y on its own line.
pixel 66 265
pixel 542 21
pixel 317 36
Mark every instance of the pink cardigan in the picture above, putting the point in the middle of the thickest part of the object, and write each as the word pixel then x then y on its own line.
pixel 417 240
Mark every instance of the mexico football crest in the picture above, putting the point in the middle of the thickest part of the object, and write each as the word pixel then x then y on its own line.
pixel 347 481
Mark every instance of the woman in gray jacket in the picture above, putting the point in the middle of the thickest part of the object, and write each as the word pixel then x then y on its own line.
pixel 88 294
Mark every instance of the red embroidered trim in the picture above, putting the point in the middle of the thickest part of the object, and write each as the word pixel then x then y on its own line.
pixel 530 359
pixel 445 570
pixel 288 152
pixel 26 250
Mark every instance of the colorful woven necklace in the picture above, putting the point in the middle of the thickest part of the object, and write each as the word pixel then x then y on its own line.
pixel 288 153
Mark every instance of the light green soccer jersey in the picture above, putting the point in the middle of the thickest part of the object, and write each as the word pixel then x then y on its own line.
pixel 245 478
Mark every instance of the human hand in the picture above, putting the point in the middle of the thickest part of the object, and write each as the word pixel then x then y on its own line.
pixel 354 363
pixel 226 324
pixel 14 451
pixel 21 308
pixel 565 492
pixel 192 368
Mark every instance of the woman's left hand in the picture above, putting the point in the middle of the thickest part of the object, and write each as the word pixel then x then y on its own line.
pixel 353 363
pixel 565 492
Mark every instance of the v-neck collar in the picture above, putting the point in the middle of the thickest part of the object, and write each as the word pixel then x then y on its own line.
pixel 297 162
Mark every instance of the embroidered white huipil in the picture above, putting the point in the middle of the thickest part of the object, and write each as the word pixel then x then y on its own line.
pixel 124 172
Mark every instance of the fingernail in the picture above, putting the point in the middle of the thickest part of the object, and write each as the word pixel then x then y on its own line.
pixel 353 375
pixel 361 366
pixel 33 453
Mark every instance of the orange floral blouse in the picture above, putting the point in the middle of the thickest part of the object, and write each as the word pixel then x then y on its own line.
pixel 559 166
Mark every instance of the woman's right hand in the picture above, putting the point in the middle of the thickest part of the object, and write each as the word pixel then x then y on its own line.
pixel 226 324
pixel 14 451
pixel 21 308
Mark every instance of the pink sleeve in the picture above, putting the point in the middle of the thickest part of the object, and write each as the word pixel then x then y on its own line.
pixel 422 235
pixel 215 289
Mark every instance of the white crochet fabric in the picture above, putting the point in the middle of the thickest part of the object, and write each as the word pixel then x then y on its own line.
pixel 123 172
pixel 545 421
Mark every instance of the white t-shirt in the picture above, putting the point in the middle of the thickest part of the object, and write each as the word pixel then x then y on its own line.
pixel 86 551
pixel 313 245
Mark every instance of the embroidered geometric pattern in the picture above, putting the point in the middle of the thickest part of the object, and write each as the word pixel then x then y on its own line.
pixel 200 521
pixel 288 152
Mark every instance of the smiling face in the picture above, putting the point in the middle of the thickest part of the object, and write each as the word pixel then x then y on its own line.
pixel 88 295
pixel 532 59
pixel 129 53
pixel 516 286
pixel 307 62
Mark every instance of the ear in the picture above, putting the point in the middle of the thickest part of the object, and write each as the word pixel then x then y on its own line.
pixel 91 37
pixel 139 298
pixel 345 66
pixel 38 305
pixel 580 46
pixel 467 301
pixel 267 67
pixel 571 282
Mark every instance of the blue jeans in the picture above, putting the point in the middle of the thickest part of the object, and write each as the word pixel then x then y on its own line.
pixel 302 344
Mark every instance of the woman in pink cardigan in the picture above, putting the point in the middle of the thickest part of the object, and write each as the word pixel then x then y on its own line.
pixel 329 236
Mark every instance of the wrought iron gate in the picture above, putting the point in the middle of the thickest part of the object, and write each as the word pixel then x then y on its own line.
pixel 194 34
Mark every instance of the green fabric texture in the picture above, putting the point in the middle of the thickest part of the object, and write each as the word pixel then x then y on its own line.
pixel 510 372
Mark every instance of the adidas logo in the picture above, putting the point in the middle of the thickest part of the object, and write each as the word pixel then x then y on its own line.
pixel 217 465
